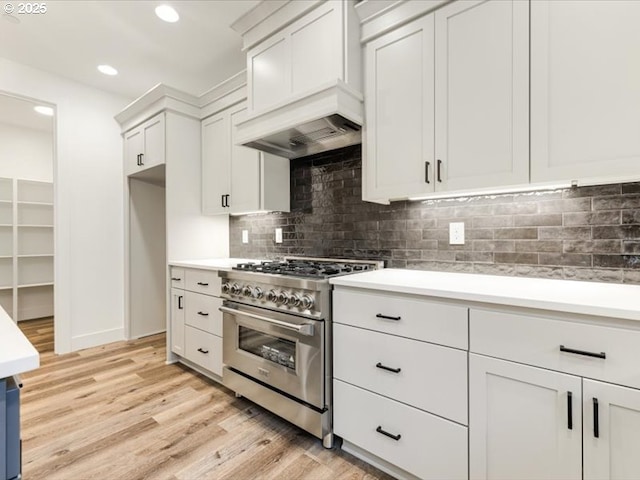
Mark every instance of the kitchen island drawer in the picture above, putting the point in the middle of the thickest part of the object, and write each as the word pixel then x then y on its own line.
pixel 594 351
pixel 202 311
pixel 203 349
pixel 177 277
pixel 411 317
pixel 424 445
pixel 202 281
pixel 427 376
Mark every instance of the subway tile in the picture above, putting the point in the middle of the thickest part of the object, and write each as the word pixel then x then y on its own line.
pixel 508 257
pixel 594 274
pixel 406 254
pixel 493 269
pixel 592 191
pixel 421 224
pixel 479 234
pixel 631 188
pixel 592 246
pixel 631 276
pixel 565 205
pixel 485 257
pixel 568 259
pixel 514 209
pixel 626 232
pixel 494 246
pixel 539 271
pixel 552 219
pixel 616 202
pixel 577 233
pixel 612 261
pixel 492 221
pixel 631 246
pixel 538 246
pixel 605 217
pixel 525 233
pixel 631 216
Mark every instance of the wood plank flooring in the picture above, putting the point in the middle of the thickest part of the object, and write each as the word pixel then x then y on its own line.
pixel 118 411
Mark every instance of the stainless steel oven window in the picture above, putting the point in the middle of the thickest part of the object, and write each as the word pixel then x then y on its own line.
pixel 275 349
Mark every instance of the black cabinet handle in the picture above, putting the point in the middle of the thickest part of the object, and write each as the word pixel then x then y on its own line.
pixel 222 200
pixel 439 171
pixel 175 279
pixel 203 351
pixel 203 284
pixel 138 160
pixel 388 369
pixel 596 419
pixel 387 434
pixel 180 302
pixel 387 317
pixel 426 171
pixel 582 352
pixel 203 314
pixel 226 200
pixel 570 410
pixel 142 159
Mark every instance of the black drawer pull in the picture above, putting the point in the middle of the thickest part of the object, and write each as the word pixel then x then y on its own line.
pixel 204 314
pixel 203 284
pixel 387 317
pixel 596 419
pixel 203 351
pixel 176 279
pixel 387 434
pixel 180 302
pixel 426 172
pixel 439 163
pixel 570 410
pixel 388 369
pixel 582 352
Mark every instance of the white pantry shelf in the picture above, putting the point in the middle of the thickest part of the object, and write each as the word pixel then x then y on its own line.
pixel 35 226
pixel 33 285
pixel 44 204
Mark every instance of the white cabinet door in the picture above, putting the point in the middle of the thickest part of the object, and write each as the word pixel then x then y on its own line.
pixel 482 94
pixel 520 422
pixel 585 94
pixel 399 88
pixel 133 148
pixel 154 147
pixel 611 431
pixel 177 321
pixel 269 72
pixel 245 170
pixel 216 158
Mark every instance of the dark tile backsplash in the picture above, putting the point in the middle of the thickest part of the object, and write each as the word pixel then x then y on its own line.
pixel 586 233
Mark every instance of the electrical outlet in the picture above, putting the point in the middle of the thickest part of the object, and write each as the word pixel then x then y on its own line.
pixel 278 235
pixel 456 233
pixel 245 236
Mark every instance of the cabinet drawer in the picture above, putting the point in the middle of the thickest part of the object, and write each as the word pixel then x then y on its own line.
pixel 177 277
pixel 202 312
pixel 203 349
pixel 537 340
pixel 203 281
pixel 431 377
pixel 415 318
pixel 428 447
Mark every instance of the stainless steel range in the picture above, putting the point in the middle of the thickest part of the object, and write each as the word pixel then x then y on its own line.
pixel 277 336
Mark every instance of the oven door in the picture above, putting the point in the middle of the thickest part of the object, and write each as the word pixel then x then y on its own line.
pixel 283 351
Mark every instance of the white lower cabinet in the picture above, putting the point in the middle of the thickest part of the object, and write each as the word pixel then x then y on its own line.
pixel 196 321
pixel 422 444
pixel 524 422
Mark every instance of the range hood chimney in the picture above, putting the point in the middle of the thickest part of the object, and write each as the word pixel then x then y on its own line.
pixel 304 77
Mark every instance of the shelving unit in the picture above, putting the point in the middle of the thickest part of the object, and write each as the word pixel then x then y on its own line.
pixel 26 248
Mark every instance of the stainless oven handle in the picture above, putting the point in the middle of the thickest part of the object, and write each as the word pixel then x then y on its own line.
pixel 305 329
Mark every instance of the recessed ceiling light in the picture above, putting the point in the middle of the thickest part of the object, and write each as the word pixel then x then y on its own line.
pixel 107 70
pixel 41 109
pixel 167 13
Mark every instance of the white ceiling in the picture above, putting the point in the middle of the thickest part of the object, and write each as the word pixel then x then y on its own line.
pixel 20 113
pixel 73 37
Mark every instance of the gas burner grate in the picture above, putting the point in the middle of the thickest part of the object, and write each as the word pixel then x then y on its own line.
pixel 303 268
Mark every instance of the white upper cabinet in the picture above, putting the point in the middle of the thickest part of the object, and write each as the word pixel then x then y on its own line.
pixel 303 56
pixel 238 179
pixel 585 91
pixel 447 102
pixel 144 146
pixel 482 94
pixel 399 135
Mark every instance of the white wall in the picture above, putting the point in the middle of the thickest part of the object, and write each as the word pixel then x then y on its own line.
pixel 89 261
pixel 26 153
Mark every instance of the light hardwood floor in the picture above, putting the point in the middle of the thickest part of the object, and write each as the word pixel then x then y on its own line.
pixel 118 412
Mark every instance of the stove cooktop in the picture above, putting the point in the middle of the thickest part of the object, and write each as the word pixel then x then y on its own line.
pixel 308 267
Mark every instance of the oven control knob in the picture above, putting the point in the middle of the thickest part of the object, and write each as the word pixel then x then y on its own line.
pixel 225 287
pixel 247 291
pixel 272 296
pixel 283 298
pixel 235 289
pixel 294 300
pixel 306 302
pixel 257 293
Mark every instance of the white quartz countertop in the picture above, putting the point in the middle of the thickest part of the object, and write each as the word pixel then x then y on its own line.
pixel 589 298
pixel 212 263
pixel 17 355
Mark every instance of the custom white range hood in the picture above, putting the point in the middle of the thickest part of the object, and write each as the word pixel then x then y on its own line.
pixel 304 77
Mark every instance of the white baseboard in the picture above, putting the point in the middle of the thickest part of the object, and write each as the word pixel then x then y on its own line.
pixel 37 311
pixel 98 338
